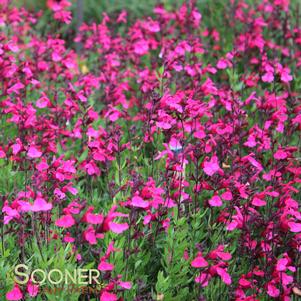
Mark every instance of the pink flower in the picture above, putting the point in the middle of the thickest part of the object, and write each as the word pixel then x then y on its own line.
pixel 237 220
pixel 72 190
pixel 118 228
pixel 15 88
pixel 203 279
pixel 94 219
pixel 163 125
pixel 258 202
pixel 141 47
pixel 10 214
pixel 109 225
pixel 2 154
pixel 151 25
pixel 61 195
pixel 122 17
pixel 281 264
pixel 285 75
pixel 294 227
pixel 215 201
pixel 227 196
pixel 16 147
pixel 32 289
pixel 12 46
pixel 106 296
pixel 56 57
pixel 222 64
pixel 199 262
pixel 224 275
pixel 33 152
pixel 244 282
pixel 251 142
pixel 196 18
pixel 105 266
pixel 267 77
pixel 280 155
pixel 41 205
pixel 273 291
pixel 42 102
pixel 59 9
pixel 219 253
pixel 211 167
pixel 57 5
pixel 14 294
pixel 42 165
pixel 66 221
pixel 254 162
pixel 68 238
pixel 137 201
pixel 90 236
pixel 92 169
pixel 125 284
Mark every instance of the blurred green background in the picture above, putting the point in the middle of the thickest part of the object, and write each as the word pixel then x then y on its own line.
pixel 93 9
pixel 213 12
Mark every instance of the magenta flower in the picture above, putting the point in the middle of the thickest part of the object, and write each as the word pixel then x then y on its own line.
pixel 14 294
pixel 33 152
pixel 215 201
pixel 66 221
pixel 211 167
pixel 106 296
pixel 199 262
pixel 32 289
pixel 41 205
pixel 139 202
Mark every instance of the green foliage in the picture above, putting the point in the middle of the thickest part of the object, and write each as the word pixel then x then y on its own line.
pixel 175 279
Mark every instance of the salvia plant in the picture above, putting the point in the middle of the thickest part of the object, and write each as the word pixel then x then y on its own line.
pixel 162 151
